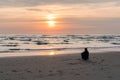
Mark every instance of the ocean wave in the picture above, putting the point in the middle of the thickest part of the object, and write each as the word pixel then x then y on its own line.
pixel 57 42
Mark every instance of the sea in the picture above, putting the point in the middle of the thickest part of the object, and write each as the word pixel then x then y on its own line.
pixel 39 44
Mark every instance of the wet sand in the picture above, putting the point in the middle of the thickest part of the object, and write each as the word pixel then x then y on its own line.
pixel 102 66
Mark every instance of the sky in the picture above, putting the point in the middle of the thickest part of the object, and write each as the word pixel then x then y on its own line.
pixel 59 16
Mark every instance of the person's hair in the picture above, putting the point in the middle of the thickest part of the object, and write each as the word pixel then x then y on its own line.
pixel 85 48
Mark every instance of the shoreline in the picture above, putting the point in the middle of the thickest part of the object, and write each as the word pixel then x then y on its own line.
pixel 101 66
pixel 53 53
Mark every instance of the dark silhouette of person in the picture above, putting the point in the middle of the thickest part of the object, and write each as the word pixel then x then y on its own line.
pixel 85 54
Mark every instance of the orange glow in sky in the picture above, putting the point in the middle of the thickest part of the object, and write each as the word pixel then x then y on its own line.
pixel 59 17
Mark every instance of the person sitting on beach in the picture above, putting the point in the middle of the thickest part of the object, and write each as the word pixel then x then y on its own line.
pixel 85 54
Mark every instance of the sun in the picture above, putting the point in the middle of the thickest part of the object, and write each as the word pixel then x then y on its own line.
pixel 51 23
pixel 51 20
pixel 51 16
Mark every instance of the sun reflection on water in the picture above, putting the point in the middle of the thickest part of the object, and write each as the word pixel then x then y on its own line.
pixel 52 53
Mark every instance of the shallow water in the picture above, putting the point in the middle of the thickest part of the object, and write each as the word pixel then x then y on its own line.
pixel 59 43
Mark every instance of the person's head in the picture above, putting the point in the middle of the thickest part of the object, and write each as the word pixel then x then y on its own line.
pixel 85 49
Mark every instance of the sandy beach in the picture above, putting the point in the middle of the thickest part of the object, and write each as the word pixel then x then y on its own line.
pixel 102 66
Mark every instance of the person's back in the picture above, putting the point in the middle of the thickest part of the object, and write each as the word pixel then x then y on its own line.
pixel 85 54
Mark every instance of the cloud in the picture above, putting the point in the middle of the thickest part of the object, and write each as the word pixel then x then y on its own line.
pixel 31 9
pixel 26 3
pixel 38 9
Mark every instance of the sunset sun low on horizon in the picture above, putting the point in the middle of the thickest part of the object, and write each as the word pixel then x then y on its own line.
pixel 51 20
pixel 51 23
